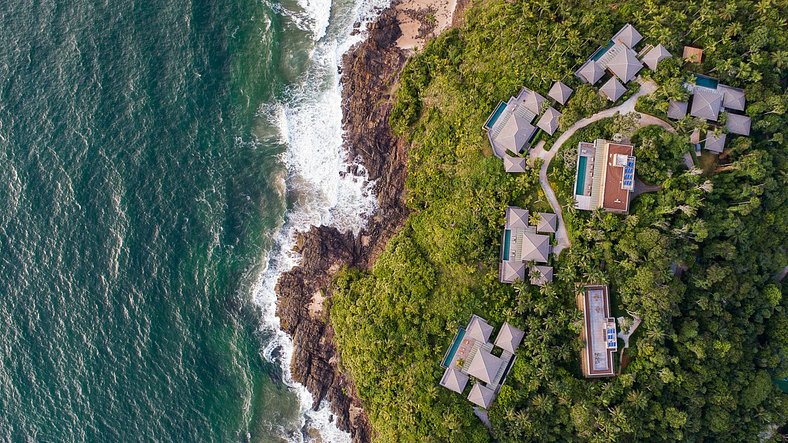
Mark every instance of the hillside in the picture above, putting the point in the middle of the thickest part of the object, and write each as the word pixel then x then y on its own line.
pixel 696 260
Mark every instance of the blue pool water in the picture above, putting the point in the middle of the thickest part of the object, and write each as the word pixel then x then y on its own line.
pixel 454 347
pixel 493 118
pixel 708 82
pixel 507 236
pixel 581 175
pixel 601 51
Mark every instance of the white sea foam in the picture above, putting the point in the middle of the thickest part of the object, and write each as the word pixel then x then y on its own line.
pixel 310 124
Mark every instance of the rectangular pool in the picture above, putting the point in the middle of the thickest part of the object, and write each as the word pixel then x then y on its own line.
pixel 454 346
pixel 581 175
pixel 507 238
pixel 601 51
pixel 495 115
pixel 706 82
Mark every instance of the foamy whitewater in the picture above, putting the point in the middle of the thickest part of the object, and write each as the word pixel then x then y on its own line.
pixel 310 124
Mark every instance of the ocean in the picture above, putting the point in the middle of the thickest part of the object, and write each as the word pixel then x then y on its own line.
pixel 156 162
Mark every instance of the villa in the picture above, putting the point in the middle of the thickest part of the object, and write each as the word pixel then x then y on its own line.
pixel 709 100
pixel 513 125
pixel 605 176
pixel 599 332
pixel 617 56
pixel 522 243
pixel 471 354
pixel 509 128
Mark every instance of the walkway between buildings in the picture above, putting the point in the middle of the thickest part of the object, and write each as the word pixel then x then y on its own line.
pixel 646 87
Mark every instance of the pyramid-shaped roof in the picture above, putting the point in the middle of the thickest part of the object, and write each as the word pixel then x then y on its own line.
pixel 713 143
pixel 547 222
pixel 655 55
pixel 478 329
pixel 677 110
pixel 513 164
pixel 549 120
pixel 543 274
pixel 625 64
pixel 536 247
pixel 512 271
pixel 516 217
pixel 481 395
pixel 454 380
pixel 613 89
pixel 509 338
pixel 591 72
pixel 560 92
pixel 706 104
pixel 738 124
pixel 732 98
pixel 514 133
pixel 485 366
pixel 628 35
pixel 532 101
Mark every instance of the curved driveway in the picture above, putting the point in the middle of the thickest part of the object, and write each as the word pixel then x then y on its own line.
pixel 646 87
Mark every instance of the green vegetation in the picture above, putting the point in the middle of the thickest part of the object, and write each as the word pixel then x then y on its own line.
pixel 696 259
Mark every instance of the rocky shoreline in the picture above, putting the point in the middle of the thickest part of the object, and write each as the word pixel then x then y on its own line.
pixel 369 72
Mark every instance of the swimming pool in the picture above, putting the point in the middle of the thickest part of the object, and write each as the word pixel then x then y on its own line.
pixel 507 237
pixel 706 82
pixel 450 355
pixel 601 51
pixel 581 175
pixel 495 115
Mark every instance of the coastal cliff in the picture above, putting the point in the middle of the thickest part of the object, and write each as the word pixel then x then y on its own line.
pixel 369 71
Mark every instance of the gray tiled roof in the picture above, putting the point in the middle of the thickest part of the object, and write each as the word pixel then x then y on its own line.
pixel 533 101
pixel 738 124
pixel 628 35
pixel 655 55
pixel 613 89
pixel 547 222
pixel 509 338
pixel 625 64
pixel 481 395
pixel 536 247
pixel 549 120
pixel 706 104
pixel 513 164
pixel 714 144
pixel 512 271
pixel 478 329
pixel 560 92
pixel 484 366
pixel 732 98
pixel 591 72
pixel 516 217
pixel 515 133
pixel 454 380
pixel 543 275
pixel 677 110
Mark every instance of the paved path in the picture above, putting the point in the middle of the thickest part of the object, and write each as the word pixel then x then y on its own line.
pixel 646 87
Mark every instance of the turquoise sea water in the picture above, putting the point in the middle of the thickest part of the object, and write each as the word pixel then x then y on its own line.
pixel 152 173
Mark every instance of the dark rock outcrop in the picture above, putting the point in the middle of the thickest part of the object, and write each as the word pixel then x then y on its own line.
pixel 369 73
